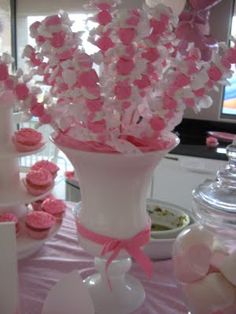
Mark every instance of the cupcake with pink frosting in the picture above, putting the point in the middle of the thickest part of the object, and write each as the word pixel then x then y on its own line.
pixel 38 181
pixel 27 140
pixel 38 224
pixel 48 165
pixel 36 205
pixel 54 207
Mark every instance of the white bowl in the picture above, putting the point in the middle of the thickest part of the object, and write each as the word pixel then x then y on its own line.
pixel 168 219
pixel 159 249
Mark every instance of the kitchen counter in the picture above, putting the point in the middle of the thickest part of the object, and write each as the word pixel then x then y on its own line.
pixel 201 151
pixel 193 134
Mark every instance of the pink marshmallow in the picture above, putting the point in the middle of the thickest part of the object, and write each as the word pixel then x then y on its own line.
pixel 37 110
pixel 97 126
pixel 58 39
pixel 170 103
pixel 105 43
pixel 89 78
pixel 126 35
pixel 143 82
pixel 124 66
pixel 211 141
pixel 157 123
pixel 3 72
pixel 52 20
pixel 94 104
pixel 193 264
pixel 22 91
pixel 214 73
pixel 193 236
pixel 182 80
pixel 122 90
pixel 151 54
pixel 104 17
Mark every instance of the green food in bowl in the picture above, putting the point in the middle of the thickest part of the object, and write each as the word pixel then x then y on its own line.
pixel 167 219
pixel 157 227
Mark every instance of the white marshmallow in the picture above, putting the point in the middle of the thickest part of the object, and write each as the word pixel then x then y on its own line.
pixel 194 236
pixel 217 259
pixel 210 294
pixel 228 268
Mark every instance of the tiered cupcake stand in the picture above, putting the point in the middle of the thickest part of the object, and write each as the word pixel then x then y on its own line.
pixel 14 197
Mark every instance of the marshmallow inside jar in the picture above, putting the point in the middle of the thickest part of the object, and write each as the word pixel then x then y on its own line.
pixel 195 235
pixel 193 264
pixel 205 253
pixel 227 268
pixel 211 295
pixel 192 253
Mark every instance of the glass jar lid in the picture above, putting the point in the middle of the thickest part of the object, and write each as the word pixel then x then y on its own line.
pixel 214 201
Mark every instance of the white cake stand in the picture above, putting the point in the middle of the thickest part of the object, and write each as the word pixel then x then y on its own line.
pixel 13 195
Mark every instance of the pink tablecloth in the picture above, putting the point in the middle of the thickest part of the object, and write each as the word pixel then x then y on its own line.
pixel 62 254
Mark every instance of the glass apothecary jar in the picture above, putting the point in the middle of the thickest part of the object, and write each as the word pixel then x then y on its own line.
pixel 205 253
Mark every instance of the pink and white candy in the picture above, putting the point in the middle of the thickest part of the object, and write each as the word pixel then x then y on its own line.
pixel 136 98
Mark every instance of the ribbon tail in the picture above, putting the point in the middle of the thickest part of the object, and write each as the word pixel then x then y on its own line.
pixel 142 259
pixel 112 258
pixel 108 263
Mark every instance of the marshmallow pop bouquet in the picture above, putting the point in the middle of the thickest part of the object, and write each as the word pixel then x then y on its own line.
pixel 127 96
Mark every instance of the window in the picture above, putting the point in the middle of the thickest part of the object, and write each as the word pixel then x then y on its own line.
pixel 229 99
pixel 80 24
pixel 5 26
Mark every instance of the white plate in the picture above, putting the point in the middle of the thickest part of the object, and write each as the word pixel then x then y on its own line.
pixel 12 152
pixel 19 195
pixel 27 246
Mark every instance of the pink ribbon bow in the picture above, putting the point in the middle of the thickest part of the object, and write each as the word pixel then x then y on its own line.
pixel 114 246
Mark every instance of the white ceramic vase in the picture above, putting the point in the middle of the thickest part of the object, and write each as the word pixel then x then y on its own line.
pixel 113 192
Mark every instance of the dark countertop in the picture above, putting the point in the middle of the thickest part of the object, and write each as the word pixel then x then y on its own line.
pixel 193 134
pixel 201 151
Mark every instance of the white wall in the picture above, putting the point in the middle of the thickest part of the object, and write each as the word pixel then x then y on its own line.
pixel 42 7
pixel 45 7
